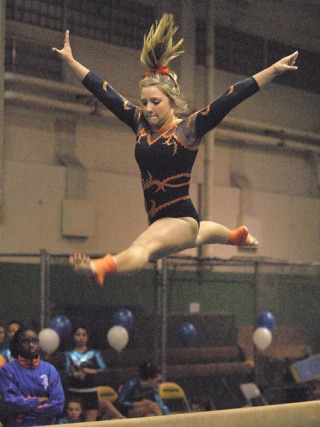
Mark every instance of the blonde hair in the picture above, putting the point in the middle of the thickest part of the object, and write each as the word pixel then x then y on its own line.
pixel 158 50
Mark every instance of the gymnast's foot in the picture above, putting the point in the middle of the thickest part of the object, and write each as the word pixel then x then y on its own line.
pixel 95 269
pixel 241 237
pixel 83 264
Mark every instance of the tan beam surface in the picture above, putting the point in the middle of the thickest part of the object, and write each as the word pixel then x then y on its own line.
pixel 302 414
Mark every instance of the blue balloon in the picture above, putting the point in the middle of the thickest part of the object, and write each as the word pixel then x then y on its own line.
pixel 62 325
pixel 187 333
pixel 266 320
pixel 123 317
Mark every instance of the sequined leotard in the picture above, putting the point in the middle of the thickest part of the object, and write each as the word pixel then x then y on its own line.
pixel 166 158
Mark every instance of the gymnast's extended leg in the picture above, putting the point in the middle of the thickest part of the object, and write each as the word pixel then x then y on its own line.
pixel 162 238
pixel 212 232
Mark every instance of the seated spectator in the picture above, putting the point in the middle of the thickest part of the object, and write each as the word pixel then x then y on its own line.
pixel 74 412
pixel 2 336
pixel 12 328
pixel 139 397
pixel 31 392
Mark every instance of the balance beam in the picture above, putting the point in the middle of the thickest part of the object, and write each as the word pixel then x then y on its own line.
pixel 306 414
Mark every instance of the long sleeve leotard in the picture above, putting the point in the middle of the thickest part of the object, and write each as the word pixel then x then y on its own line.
pixel 166 157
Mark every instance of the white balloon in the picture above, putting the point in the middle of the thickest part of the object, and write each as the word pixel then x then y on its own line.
pixel 49 340
pixel 118 337
pixel 262 338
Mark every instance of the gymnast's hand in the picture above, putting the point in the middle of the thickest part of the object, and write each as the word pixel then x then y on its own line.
pixel 287 63
pixel 66 52
pixel 79 70
pixel 89 371
pixel 79 374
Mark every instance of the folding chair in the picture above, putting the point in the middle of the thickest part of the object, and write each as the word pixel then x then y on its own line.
pixel 307 369
pixel 174 397
pixel 107 392
pixel 252 394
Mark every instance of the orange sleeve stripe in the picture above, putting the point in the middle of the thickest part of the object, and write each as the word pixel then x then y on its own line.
pixel 231 90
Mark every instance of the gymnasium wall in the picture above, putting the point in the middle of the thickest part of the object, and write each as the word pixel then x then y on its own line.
pixel 278 198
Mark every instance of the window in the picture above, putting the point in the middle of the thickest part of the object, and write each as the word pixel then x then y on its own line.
pixel 245 54
pixel 237 52
pixel 307 76
pixel 32 59
pixel 120 22
pixel 201 42
pixel 43 13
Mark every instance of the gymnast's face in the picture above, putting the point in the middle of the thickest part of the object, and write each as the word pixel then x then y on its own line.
pixel 156 107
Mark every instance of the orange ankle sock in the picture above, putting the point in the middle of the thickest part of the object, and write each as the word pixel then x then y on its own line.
pixel 103 266
pixel 239 237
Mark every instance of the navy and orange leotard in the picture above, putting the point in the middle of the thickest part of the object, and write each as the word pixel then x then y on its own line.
pixel 166 157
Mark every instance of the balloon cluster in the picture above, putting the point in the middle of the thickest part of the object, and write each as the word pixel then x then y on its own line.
pixel 118 335
pixel 60 327
pixel 262 336
pixel 49 340
pixel 63 327
pixel 58 332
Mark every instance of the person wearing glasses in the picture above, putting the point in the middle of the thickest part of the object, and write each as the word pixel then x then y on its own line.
pixel 31 392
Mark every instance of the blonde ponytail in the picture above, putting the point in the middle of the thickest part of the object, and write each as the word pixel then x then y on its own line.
pixel 158 47
pixel 158 50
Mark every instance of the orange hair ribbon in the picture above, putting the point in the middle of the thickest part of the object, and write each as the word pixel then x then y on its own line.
pixel 160 70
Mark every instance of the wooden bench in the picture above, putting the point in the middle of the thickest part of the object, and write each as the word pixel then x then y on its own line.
pixel 181 363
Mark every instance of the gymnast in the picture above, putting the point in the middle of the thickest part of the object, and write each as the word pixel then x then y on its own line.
pixel 167 143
